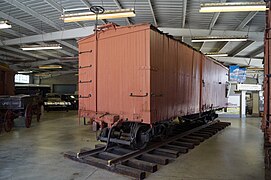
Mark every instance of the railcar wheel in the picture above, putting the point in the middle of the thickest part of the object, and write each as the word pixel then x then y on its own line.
pixel 141 137
pixel 163 132
pixel 28 116
pixel 8 120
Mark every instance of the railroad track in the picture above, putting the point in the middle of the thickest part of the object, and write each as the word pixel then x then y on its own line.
pixel 137 163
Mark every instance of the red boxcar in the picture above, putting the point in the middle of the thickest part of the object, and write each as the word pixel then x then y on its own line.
pixel 139 74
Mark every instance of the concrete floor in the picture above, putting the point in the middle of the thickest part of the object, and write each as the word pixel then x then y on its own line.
pixel 37 153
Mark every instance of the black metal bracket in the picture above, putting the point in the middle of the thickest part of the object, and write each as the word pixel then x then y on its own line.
pixel 134 95
pixel 81 67
pixel 83 52
pixel 85 81
pixel 85 96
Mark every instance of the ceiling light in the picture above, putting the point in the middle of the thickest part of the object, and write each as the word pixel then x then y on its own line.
pixel 109 14
pixel 24 72
pixel 218 38
pixel 4 25
pixel 215 54
pixel 51 66
pixel 233 7
pixel 41 47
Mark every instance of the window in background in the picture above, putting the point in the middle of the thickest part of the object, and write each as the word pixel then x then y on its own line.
pixel 21 78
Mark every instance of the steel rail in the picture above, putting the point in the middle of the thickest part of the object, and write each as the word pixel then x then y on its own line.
pixel 152 147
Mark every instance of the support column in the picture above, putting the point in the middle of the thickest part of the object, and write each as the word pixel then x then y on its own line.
pixel 255 104
pixel 243 104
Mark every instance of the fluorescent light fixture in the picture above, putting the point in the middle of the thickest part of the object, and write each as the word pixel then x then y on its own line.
pixel 24 72
pixel 216 54
pixel 219 38
pixel 50 66
pixel 233 7
pixel 4 25
pixel 41 47
pixel 88 16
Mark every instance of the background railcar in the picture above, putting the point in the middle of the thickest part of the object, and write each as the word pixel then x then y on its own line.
pixel 6 80
pixel 140 75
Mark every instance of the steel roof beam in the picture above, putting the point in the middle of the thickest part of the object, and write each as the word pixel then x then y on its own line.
pixel 245 21
pixel 20 51
pixel 59 8
pixel 120 7
pixel 212 24
pixel 257 51
pixel 31 28
pixel 38 63
pixel 53 36
pixel 201 46
pixel 33 13
pixel 14 33
pixel 20 23
pixel 215 17
pixel 184 12
pixel 24 52
pixel 35 64
pixel 255 36
pixel 36 15
pixel 152 12
pixel 82 32
pixel 256 62
pixel 40 17
pixel 240 48
pixel 213 21
pixel 58 73
pixel 5 53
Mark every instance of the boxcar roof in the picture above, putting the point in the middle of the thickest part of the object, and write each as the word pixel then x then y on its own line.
pixel 106 27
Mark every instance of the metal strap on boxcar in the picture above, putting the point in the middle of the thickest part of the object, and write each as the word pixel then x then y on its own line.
pixel 81 67
pixel 134 95
pixel 89 81
pixel 85 96
pixel 82 52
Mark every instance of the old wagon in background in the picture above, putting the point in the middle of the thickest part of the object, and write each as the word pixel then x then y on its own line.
pixel 12 107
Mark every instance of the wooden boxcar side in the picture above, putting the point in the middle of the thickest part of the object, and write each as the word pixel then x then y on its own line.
pixel 175 78
pixel 138 73
pixel 214 79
